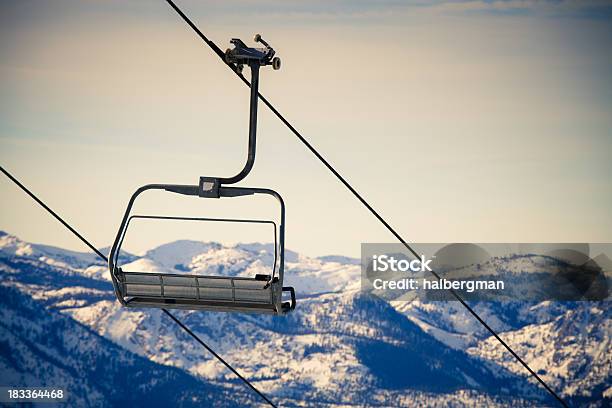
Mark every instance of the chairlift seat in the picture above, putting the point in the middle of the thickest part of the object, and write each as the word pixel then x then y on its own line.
pixel 198 292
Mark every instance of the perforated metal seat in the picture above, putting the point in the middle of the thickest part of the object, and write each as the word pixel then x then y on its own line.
pixel 261 294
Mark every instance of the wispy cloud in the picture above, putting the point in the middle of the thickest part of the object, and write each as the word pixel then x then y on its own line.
pixel 556 8
pixel 352 8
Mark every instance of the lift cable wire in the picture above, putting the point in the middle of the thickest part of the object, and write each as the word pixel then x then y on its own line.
pixel 102 256
pixel 207 347
pixel 363 201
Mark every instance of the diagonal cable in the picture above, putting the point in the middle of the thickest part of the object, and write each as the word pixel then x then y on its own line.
pixel 102 256
pixel 359 197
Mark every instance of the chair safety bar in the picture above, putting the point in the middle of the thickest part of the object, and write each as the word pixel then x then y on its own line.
pixel 231 220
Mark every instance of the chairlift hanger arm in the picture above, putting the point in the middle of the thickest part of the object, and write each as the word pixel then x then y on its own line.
pixel 255 58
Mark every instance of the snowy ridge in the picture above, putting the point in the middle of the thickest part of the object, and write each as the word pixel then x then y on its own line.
pixel 12 246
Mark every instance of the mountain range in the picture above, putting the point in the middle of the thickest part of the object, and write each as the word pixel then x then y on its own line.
pixel 61 326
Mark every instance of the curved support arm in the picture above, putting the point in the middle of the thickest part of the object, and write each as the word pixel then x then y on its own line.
pixel 252 130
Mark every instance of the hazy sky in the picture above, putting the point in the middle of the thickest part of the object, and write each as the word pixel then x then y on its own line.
pixel 459 121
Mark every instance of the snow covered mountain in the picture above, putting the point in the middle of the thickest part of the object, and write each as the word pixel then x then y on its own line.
pixel 571 352
pixel 339 347
pixel 308 275
pixel 48 349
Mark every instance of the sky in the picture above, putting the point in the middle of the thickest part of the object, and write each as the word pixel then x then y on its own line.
pixel 460 121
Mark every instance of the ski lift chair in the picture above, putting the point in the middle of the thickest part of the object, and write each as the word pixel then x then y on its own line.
pixel 258 294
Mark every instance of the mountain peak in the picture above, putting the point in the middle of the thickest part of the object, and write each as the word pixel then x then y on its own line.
pixel 11 245
pixel 179 252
